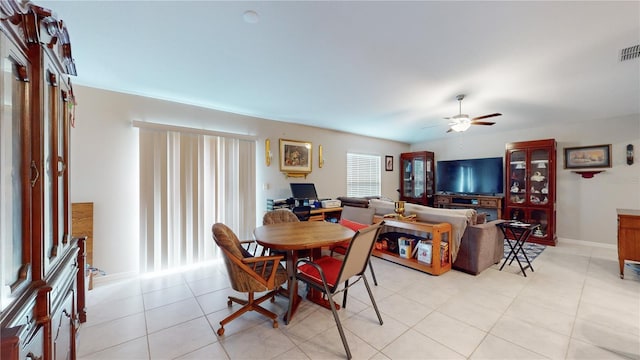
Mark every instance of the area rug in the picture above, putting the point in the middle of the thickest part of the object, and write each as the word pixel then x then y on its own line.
pixel 532 250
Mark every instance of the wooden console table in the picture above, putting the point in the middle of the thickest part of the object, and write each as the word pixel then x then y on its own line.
pixel 439 233
pixel 628 237
pixel 470 201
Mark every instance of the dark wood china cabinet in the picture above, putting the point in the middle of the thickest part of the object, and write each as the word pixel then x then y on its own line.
pixel 42 287
pixel 530 178
pixel 417 177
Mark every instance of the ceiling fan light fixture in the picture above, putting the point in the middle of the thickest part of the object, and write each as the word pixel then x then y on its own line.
pixel 461 126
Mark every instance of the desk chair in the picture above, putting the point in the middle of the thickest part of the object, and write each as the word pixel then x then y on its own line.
pixel 355 218
pixel 327 273
pixel 302 212
pixel 248 274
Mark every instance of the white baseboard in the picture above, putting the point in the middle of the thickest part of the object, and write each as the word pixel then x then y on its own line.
pixel 588 243
pixel 106 279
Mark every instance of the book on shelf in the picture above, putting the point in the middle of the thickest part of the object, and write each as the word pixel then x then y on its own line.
pixel 444 253
pixel 424 251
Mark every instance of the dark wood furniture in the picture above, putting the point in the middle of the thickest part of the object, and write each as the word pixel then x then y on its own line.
pixel 417 177
pixel 296 236
pixel 530 180
pixel 42 291
pixel 248 274
pixel 325 214
pixel 438 233
pixel 478 202
pixel 628 237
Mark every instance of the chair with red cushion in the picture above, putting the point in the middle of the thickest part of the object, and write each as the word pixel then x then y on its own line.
pixel 327 273
pixel 355 218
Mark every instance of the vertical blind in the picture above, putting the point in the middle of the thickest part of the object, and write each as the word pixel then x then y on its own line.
pixel 188 182
pixel 363 175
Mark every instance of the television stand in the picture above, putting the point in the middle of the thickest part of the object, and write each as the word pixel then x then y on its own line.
pixel 453 201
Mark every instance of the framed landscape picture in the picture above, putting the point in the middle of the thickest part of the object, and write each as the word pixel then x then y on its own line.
pixel 586 157
pixel 295 157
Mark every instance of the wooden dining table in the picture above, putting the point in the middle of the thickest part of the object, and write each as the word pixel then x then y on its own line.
pixel 296 236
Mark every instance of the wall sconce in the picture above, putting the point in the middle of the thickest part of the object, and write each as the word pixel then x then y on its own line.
pixel 630 154
pixel 267 152
pixel 320 159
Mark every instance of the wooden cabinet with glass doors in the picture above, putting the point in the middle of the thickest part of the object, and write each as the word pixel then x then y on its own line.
pixel 530 177
pixel 41 289
pixel 417 177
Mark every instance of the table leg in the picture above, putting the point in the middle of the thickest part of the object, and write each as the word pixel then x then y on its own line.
pixel 292 259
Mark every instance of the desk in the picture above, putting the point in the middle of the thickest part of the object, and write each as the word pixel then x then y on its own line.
pixel 322 214
pixel 295 236
pixel 516 233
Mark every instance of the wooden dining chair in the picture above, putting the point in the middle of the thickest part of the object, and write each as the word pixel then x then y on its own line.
pixel 248 274
pixel 282 216
pixel 355 218
pixel 327 273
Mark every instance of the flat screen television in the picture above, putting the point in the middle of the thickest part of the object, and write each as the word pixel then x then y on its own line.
pixel 303 191
pixel 470 176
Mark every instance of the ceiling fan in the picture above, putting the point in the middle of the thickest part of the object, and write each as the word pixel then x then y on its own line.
pixel 462 122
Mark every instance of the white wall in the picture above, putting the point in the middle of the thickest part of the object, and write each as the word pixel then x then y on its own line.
pixel 104 162
pixel 104 165
pixel 585 208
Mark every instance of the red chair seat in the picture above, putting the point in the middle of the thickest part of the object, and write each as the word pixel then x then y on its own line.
pixel 330 267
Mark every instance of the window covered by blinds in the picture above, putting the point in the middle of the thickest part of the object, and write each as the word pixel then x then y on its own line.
pixel 363 175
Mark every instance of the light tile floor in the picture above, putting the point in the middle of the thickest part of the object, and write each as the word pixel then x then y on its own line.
pixel 574 306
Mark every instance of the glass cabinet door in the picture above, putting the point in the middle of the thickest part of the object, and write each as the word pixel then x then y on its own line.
pixel 540 217
pixel 418 177
pixel 14 174
pixel 407 178
pixel 539 177
pixel 517 177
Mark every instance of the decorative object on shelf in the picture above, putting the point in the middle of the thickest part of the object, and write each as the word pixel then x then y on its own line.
pixel 630 154
pixel 295 157
pixel 388 163
pixel 585 157
pixel 588 174
pixel 399 207
pixel 320 159
pixel 267 152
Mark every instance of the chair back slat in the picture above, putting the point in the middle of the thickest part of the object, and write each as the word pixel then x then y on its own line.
pixel 279 216
pixel 357 255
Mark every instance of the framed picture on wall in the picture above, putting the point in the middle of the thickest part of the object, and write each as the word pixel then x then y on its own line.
pixel 388 163
pixel 295 157
pixel 585 157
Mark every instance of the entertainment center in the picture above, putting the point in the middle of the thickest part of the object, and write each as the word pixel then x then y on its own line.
pixel 472 184
pixel 471 201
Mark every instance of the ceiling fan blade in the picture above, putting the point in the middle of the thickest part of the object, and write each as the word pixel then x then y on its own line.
pixel 486 116
pixel 482 122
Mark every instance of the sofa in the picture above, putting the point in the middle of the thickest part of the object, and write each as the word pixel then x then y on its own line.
pixel 475 244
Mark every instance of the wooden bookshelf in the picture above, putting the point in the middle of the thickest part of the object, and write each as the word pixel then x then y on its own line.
pixel 439 232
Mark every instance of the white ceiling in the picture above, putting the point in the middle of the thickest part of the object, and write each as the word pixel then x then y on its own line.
pixel 384 69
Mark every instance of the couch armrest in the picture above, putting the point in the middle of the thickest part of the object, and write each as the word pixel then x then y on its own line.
pixel 482 245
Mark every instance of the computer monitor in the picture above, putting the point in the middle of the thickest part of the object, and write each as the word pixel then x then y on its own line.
pixel 304 191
